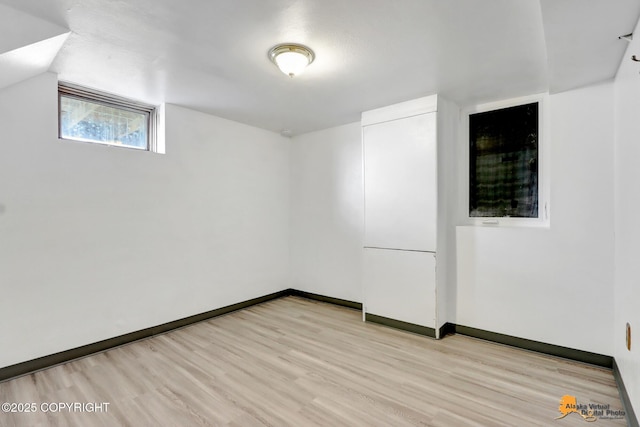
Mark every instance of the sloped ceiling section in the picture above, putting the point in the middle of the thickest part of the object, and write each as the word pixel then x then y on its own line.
pixel 28 45
pixel 582 39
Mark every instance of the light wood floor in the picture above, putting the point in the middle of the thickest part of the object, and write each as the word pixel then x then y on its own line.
pixel 295 362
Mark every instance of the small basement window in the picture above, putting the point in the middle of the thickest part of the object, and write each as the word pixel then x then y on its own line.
pixel 503 166
pixel 90 116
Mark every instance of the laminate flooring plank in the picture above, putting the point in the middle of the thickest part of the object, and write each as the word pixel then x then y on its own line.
pixel 298 362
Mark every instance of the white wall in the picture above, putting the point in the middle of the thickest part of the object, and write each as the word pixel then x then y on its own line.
pixel 327 212
pixel 627 207
pixel 555 284
pixel 448 163
pixel 96 242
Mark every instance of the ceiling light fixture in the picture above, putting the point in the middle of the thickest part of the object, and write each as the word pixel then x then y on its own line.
pixel 291 58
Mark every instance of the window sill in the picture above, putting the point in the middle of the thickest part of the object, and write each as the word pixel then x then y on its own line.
pixel 508 222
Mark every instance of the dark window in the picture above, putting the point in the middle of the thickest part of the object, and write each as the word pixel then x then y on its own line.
pixel 503 162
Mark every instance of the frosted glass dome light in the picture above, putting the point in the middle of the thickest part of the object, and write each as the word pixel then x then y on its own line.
pixel 291 59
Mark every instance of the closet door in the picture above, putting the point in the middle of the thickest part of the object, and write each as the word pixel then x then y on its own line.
pixel 400 285
pixel 400 183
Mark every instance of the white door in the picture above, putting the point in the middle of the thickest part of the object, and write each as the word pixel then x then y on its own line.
pixel 400 285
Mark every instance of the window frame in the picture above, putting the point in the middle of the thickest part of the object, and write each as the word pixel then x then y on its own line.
pixel 71 90
pixel 543 219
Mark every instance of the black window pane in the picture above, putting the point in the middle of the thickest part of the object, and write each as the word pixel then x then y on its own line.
pixel 503 162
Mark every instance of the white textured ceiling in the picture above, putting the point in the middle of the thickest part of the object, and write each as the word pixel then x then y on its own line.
pixel 211 55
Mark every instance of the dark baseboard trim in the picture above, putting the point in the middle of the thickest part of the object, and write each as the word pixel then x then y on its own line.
pixel 540 347
pixel 447 329
pixel 330 300
pixel 44 362
pixel 632 420
pixel 398 324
